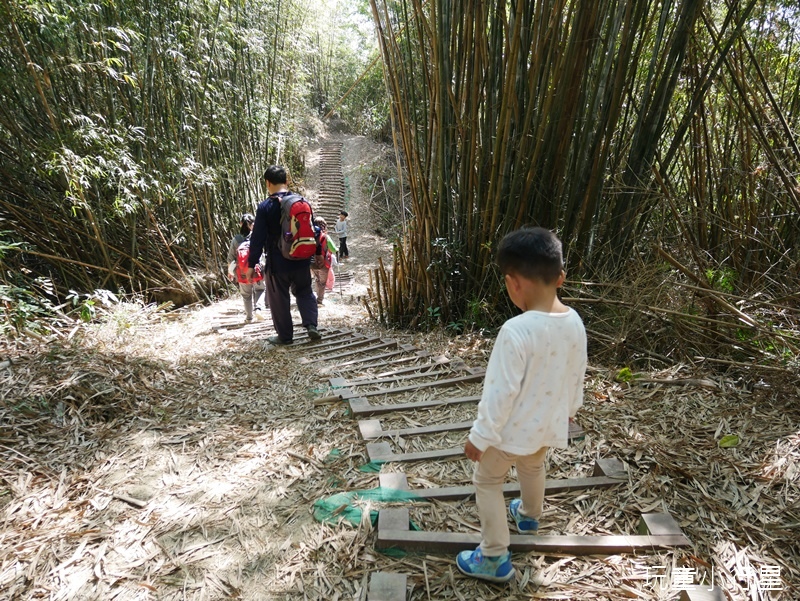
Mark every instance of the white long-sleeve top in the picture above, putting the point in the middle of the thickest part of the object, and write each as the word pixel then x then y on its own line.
pixel 533 384
pixel 340 228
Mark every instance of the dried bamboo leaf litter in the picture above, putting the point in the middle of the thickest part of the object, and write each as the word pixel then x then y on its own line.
pixel 220 452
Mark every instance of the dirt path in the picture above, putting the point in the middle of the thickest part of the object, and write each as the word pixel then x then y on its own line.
pixel 364 244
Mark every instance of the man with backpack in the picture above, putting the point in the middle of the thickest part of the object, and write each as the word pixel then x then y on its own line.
pixel 284 229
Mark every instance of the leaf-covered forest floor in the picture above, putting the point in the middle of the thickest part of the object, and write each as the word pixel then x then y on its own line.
pixel 219 437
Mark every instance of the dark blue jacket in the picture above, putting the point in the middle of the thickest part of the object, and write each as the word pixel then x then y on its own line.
pixel 267 233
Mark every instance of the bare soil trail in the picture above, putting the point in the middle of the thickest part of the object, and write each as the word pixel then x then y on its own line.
pixel 364 243
pixel 152 457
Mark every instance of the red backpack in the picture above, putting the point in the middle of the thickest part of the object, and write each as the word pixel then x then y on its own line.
pixel 242 265
pixel 323 252
pixel 298 235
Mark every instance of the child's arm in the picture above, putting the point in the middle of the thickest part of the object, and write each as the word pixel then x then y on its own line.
pixel 331 245
pixel 472 452
pixel 576 402
pixel 500 391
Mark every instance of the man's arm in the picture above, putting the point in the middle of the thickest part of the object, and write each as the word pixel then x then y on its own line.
pixel 258 238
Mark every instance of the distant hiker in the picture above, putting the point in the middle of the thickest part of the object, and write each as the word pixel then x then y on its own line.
pixel 251 288
pixel 323 259
pixel 283 227
pixel 340 228
pixel 533 386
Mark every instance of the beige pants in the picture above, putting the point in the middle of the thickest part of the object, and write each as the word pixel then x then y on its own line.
pixel 321 278
pixel 489 476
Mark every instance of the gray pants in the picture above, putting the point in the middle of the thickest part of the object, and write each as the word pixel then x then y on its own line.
pixel 250 295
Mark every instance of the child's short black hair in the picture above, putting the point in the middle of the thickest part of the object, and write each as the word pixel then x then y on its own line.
pixel 275 174
pixel 343 213
pixel 533 253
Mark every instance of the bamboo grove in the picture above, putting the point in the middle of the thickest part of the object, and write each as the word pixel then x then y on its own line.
pixel 646 133
pixel 132 134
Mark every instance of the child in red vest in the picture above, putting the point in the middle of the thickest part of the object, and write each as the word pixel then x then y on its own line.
pixel 251 289
pixel 321 265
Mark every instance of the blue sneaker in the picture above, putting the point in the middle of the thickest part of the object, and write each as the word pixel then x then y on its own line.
pixel 493 569
pixel 525 525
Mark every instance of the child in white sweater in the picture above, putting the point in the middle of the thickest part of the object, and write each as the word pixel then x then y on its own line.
pixel 533 386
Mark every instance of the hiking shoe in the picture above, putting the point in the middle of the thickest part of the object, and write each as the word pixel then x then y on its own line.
pixel 493 569
pixel 525 525
pixel 276 340
pixel 313 333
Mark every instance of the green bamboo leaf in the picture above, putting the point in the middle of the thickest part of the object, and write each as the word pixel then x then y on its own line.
pixel 728 441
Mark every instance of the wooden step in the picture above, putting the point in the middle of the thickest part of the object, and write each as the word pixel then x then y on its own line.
pixel 394 532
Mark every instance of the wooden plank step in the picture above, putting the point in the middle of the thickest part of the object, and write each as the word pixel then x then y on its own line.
pixel 402 348
pixel 371 429
pixel 361 406
pixel 422 373
pixel 398 359
pixel 301 334
pixel 611 467
pixel 383 344
pixel 349 345
pixel 353 337
pixel 345 350
pixel 475 374
pixel 394 532
pixel 423 368
pixel 552 486
pixel 382 452
pixel 263 332
pixel 435 362
pixel 387 586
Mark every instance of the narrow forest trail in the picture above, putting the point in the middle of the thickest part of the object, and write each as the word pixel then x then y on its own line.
pixel 155 456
